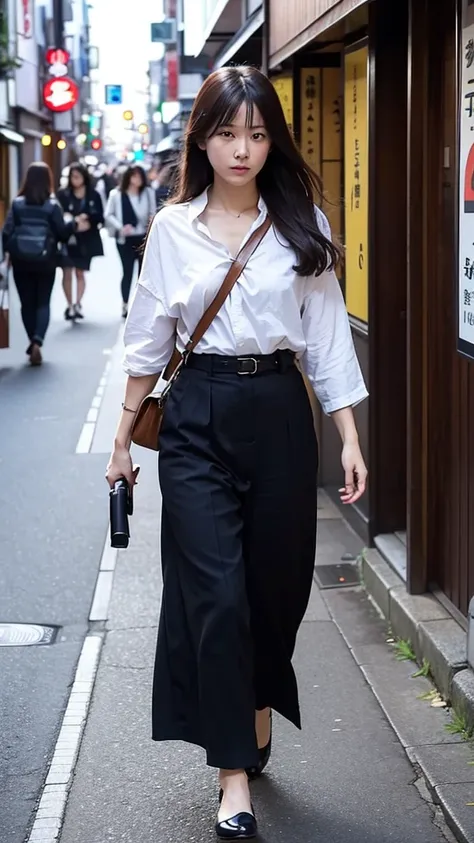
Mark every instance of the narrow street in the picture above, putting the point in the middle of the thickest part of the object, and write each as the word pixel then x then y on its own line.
pixel 344 779
pixel 52 527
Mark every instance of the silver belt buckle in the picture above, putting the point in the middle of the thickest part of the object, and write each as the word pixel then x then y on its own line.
pixel 251 360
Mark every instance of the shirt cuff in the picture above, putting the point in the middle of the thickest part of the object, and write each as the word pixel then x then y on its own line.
pixel 350 400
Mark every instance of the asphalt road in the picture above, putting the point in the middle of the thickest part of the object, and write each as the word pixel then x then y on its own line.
pixel 53 523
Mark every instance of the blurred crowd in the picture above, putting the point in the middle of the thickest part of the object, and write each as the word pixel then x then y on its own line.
pixel 45 230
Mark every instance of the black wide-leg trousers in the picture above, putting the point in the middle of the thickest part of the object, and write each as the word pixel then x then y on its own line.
pixel 238 473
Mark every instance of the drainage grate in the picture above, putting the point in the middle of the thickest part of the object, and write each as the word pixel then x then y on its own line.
pixel 336 576
pixel 26 635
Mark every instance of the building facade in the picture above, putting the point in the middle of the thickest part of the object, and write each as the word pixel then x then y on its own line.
pixel 225 31
pixel 382 107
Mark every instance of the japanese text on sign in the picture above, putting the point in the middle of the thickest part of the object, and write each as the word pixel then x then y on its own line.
pixel 356 182
pixel 466 198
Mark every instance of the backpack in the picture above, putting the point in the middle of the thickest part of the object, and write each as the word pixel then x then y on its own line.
pixel 31 240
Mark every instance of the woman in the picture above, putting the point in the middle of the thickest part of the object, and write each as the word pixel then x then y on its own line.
pixel 32 231
pixel 80 200
pixel 127 216
pixel 238 460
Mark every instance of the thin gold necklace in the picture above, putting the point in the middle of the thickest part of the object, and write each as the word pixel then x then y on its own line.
pixel 232 214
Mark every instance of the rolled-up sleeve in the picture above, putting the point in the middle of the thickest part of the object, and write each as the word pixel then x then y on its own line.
pixel 149 335
pixel 330 361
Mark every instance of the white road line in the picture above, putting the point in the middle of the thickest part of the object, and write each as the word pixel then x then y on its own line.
pixel 87 433
pixel 49 816
pixel 52 805
pixel 102 594
pixel 85 439
pixel 109 556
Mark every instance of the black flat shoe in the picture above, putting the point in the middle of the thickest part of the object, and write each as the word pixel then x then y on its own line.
pixel 263 758
pixel 242 826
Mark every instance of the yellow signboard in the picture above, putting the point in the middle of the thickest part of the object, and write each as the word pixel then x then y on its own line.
pixel 284 87
pixel 356 181
pixel 331 154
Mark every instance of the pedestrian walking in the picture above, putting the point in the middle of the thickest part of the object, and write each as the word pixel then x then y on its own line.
pixel 79 200
pixel 127 215
pixel 238 452
pixel 32 231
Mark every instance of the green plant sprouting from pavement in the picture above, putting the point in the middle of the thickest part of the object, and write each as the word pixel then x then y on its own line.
pixel 404 651
pixel 460 726
pixel 425 670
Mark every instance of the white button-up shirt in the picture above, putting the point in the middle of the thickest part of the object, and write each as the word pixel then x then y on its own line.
pixel 269 308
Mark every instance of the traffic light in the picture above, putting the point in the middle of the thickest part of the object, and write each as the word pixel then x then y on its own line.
pixel 127 115
pixel 96 144
pixel 143 128
pixel 61 144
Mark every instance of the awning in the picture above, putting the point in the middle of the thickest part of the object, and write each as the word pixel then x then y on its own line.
pixel 334 15
pixel 10 136
pixel 250 27
pixel 166 145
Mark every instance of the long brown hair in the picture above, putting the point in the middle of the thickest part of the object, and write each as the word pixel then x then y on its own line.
pixel 37 185
pixel 127 177
pixel 77 167
pixel 288 186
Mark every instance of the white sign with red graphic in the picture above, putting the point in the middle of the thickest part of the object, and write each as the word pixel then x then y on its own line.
pixel 60 94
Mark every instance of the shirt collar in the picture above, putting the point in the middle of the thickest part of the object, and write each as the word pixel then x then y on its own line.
pixel 197 205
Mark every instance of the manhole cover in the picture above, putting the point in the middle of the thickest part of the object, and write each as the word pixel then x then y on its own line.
pixel 26 634
pixel 336 576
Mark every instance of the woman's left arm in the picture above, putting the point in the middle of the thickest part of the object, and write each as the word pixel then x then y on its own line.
pixel 355 471
pixel 333 370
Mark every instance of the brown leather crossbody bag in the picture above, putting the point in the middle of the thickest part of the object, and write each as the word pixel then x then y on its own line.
pixel 147 423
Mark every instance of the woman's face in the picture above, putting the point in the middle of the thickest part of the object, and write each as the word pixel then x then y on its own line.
pixel 238 152
pixel 136 180
pixel 77 179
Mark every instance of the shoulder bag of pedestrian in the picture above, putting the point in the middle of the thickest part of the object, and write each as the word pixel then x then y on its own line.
pixel 147 424
pixel 32 239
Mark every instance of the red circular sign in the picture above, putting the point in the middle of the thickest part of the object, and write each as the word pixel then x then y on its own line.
pixel 60 94
pixel 56 55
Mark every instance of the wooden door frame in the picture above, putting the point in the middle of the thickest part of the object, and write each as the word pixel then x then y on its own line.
pixel 387 266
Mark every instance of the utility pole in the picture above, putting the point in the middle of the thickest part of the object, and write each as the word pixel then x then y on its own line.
pixel 58 20
pixel 58 28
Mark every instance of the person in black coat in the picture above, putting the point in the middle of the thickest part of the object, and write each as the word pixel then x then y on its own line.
pixel 79 199
pixel 33 228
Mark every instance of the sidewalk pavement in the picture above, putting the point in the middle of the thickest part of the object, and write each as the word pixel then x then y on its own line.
pixel 346 777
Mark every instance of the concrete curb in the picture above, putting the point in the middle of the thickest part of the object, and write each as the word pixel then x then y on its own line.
pixel 434 636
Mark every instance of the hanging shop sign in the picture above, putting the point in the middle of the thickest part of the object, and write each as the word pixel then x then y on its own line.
pixel 60 93
pixel 356 181
pixel 26 18
pixel 465 343
pixel 284 87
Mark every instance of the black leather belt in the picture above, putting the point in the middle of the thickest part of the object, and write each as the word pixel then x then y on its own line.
pixel 257 364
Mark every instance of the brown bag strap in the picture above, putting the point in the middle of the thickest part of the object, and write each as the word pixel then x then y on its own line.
pixel 234 273
pixel 238 265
